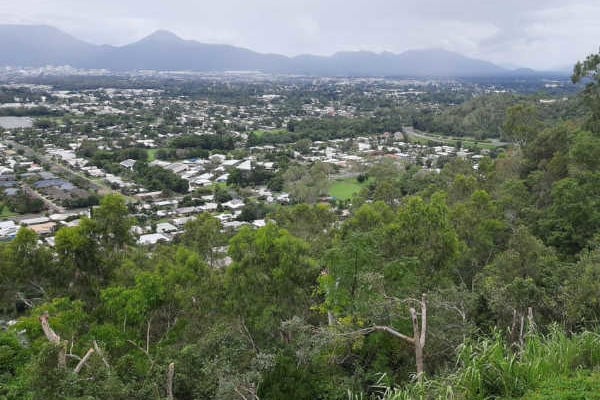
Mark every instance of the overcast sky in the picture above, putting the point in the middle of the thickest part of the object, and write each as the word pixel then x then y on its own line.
pixel 542 34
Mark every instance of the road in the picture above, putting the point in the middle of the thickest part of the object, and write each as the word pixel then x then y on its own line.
pixel 51 205
pixel 60 169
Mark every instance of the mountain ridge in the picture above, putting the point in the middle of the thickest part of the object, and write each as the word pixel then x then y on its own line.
pixel 40 45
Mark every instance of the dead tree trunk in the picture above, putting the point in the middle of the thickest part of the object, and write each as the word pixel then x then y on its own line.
pixel 419 336
pixel 170 375
pixel 63 344
pixel 417 339
pixel 54 339
pixel 330 318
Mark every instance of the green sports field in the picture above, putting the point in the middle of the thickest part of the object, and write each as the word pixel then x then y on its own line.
pixel 344 189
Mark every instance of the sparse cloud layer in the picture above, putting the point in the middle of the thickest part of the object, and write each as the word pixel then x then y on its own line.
pixel 542 34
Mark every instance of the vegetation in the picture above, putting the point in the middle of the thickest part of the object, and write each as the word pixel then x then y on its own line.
pixel 470 283
pixel 344 189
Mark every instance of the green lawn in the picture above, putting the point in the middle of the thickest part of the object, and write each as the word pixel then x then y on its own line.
pixel 5 212
pixel 151 154
pixel 344 189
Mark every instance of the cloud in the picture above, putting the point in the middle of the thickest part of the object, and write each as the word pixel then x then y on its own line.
pixel 537 33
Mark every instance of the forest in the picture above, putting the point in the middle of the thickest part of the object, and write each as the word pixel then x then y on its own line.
pixel 467 284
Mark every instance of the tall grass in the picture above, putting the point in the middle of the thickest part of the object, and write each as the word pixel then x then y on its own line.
pixel 490 368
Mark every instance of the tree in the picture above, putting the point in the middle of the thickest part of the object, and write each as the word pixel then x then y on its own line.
pixel 588 70
pixel 306 185
pixel 423 230
pixel 79 255
pixel 27 273
pixel 314 224
pixel 527 274
pixel 573 217
pixel 112 222
pixel 582 304
pixel 203 234
pixel 482 233
pixel 417 339
pixel 521 124
pixel 271 279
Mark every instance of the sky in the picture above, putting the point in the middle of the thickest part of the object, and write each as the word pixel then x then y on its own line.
pixel 540 34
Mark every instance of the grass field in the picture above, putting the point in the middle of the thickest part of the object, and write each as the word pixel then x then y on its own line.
pixel 5 212
pixel 152 154
pixel 344 189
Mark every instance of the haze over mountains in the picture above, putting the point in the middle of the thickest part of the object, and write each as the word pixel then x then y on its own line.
pixel 37 45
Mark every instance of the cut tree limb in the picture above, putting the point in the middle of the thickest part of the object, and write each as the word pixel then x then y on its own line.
pixel 48 331
pixel 85 358
pixel 54 339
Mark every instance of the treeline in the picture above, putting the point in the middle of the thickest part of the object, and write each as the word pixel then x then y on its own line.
pixel 39 111
pixel 333 128
pixel 21 202
pixel 109 159
pixel 195 146
pixel 157 178
pixel 483 116
pixel 150 177
pixel 205 142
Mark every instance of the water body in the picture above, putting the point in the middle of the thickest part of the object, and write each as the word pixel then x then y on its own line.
pixel 15 122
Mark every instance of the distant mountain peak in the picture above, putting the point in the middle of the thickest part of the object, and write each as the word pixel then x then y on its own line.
pixel 162 36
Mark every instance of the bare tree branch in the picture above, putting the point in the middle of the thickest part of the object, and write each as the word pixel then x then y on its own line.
pixel 393 332
pixel 247 333
pixel 85 358
pixel 371 329
pixel 140 348
pixel 148 335
pixel 101 354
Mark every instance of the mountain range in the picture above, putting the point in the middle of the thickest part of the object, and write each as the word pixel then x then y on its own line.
pixel 40 45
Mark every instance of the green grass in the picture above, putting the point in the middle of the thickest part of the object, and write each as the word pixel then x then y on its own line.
pixel 5 212
pixel 344 189
pixel 554 366
pixel 152 154
pixel 578 387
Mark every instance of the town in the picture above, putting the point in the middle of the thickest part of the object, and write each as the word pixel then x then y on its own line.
pixel 209 150
pixel 228 158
